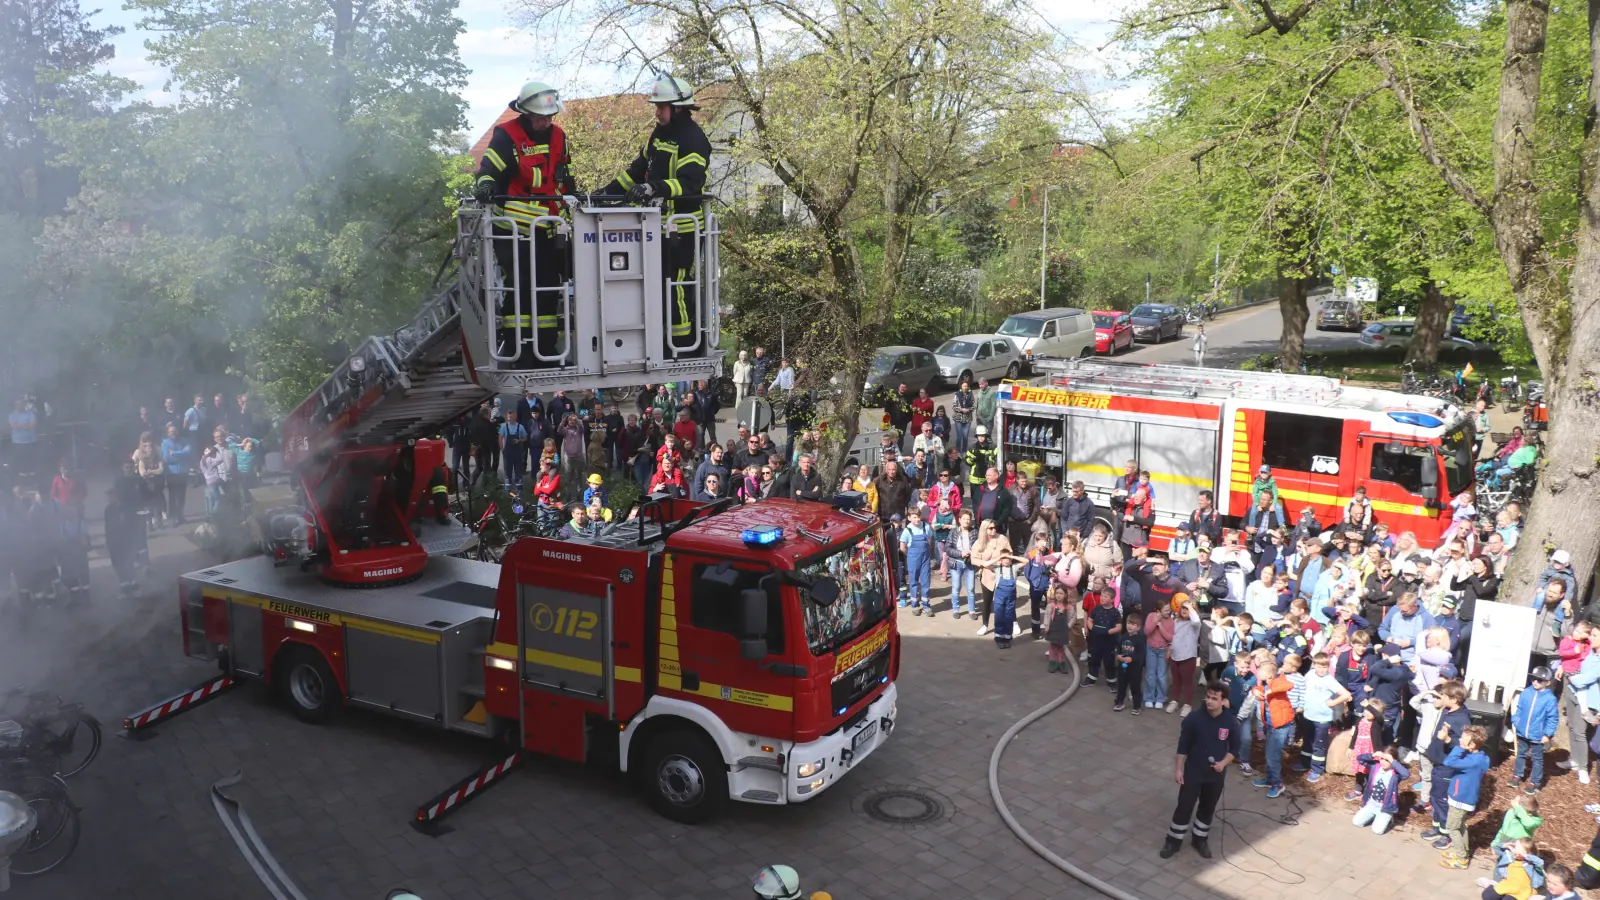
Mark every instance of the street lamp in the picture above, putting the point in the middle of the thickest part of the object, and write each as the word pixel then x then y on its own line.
pixel 1044 235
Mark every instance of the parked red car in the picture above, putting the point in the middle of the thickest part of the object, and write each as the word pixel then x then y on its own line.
pixel 1112 331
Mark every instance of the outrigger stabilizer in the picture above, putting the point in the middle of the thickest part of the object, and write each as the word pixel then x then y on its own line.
pixel 134 726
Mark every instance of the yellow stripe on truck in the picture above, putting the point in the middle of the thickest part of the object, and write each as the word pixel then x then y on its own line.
pixel 320 616
pixel 1157 477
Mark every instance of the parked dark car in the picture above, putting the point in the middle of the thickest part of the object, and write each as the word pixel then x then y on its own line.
pixel 1340 314
pixel 1155 322
pixel 1459 320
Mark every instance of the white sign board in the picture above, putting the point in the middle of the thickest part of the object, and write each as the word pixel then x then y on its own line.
pixel 1502 639
pixel 1362 290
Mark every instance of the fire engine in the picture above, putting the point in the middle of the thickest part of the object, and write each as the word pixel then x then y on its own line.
pixel 711 651
pixel 1200 429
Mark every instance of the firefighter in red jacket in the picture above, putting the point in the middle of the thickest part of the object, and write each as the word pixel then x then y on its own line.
pixel 672 164
pixel 528 159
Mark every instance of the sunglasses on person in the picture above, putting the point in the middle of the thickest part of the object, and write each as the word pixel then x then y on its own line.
pixel 944 475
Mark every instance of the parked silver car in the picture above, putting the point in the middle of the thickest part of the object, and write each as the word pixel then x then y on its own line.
pixel 974 356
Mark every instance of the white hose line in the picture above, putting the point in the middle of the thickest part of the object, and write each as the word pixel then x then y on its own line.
pixel 1049 856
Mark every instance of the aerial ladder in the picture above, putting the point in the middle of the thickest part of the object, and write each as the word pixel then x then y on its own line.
pixel 366 467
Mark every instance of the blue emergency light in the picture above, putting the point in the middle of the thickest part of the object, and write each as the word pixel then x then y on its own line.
pixel 765 536
pixel 1418 419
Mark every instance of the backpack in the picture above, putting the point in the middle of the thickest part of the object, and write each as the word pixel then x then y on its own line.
pixel 1064 572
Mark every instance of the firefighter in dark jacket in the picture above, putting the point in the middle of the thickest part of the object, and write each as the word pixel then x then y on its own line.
pixel 527 158
pixel 673 164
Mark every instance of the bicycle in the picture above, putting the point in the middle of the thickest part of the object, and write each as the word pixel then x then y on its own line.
pixel 50 730
pixel 1511 396
pixel 57 830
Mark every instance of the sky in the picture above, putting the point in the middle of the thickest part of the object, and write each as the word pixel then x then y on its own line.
pixel 498 55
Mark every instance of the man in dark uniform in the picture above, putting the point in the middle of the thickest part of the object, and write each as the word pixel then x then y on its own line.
pixel 1208 742
pixel 527 159
pixel 673 164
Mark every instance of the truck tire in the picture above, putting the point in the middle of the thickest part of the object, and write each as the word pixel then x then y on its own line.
pixel 306 685
pixel 685 776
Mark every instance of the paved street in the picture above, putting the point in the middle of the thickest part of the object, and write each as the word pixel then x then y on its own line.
pixel 1232 337
pixel 333 802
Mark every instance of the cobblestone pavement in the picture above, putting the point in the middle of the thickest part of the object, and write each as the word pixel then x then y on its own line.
pixel 333 802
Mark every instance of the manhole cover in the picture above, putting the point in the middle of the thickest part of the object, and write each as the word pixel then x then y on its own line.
pixel 903 805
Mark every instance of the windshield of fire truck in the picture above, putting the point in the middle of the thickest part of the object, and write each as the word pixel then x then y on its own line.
pixel 862 572
pixel 1456 448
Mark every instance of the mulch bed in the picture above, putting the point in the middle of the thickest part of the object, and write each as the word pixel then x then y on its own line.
pixel 1563 838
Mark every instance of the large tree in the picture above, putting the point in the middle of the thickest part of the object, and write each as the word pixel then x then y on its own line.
pixel 294 198
pixel 1520 171
pixel 49 61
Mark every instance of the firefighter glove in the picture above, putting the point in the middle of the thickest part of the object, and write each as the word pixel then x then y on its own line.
pixel 640 194
pixel 483 192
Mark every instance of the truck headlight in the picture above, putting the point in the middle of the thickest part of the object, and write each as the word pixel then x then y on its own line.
pixel 809 769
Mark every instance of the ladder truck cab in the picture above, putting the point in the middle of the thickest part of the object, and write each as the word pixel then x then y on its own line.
pixel 1199 429
pixel 712 651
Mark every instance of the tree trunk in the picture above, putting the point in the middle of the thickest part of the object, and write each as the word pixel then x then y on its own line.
pixel 1433 316
pixel 1294 311
pixel 1514 213
pixel 1562 514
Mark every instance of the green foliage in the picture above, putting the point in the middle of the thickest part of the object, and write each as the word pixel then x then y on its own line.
pixel 294 200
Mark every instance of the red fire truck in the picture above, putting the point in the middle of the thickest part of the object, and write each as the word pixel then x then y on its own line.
pixel 1212 429
pixel 712 651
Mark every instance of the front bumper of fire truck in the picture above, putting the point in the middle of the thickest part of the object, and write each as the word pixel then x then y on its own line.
pixel 815 766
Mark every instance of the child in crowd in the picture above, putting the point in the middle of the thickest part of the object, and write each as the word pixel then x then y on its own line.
pixel 1242 702
pixel 1058 627
pixel 1285 593
pixel 1183 546
pixel 1465 767
pixel 1522 877
pixel 1040 574
pixel 1535 720
pixel 1323 696
pixel 1521 821
pixel 1130 665
pixel 1287 638
pixel 1246 636
pixel 1382 790
pixel 1560 884
pixel 1386 680
pixel 1277 713
pixel 1574 647
pixel 1104 624
pixel 1216 642
pixel 1433 663
pixel 944 526
pixel 1350 666
pixel 1369 736
pixel 1444 736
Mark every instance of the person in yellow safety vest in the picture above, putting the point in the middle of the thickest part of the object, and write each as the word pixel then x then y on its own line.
pixel 527 160
pixel 672 164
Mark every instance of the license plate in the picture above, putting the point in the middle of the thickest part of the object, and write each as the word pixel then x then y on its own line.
pixel 864 736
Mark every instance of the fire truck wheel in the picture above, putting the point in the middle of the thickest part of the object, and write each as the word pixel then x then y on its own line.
pixel 307 685
pixel 687 780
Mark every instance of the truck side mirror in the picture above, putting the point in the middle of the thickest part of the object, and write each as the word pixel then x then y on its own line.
pixel 824 591
pixel 753 624
pixel 1430 477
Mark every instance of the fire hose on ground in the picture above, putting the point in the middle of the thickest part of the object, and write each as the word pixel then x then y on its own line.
pixel 1023 835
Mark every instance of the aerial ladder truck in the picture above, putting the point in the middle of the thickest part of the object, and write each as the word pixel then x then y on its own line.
pixel 711 651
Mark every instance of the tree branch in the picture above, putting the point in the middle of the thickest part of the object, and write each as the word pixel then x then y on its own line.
pixel 1447 170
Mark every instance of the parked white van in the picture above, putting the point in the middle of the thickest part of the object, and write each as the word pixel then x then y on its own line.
pixel 1060 332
